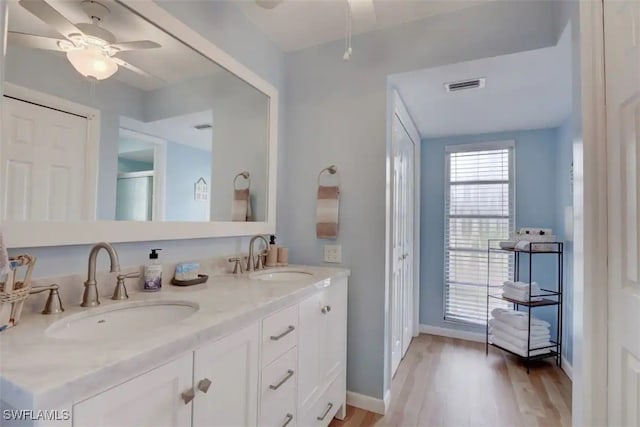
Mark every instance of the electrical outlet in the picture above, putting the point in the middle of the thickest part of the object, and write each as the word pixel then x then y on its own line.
pixel 333 254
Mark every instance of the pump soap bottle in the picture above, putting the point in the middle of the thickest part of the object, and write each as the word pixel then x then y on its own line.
pixel 153 273
pixel 272 253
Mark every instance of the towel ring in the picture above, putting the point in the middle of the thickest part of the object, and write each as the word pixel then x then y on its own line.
pixel 332 170
pixel 244 174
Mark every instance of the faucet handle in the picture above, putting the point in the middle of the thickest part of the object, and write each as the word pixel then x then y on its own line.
pixel 120 292
pixel 53 304
pixel 237 267
pixel 133 275
pixel 260 260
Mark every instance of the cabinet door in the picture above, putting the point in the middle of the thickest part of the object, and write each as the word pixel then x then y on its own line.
pixel 334 330
pixel 152 399
pixel 231 366
pixel 310 349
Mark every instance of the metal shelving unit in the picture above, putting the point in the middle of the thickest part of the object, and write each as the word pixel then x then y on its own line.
pixel 550 297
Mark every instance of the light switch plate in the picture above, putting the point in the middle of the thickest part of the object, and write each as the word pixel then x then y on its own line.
pixel 333 254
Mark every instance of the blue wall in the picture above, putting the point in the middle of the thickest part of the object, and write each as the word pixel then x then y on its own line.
pixel 185 165
pixel 536 168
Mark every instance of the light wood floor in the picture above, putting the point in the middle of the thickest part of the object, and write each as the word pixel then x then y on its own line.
pixel 449 382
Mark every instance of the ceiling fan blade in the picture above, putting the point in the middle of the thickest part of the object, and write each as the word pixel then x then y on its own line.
pixel 34 42
pixel 136 45
pixel 50 16
pixel 125 64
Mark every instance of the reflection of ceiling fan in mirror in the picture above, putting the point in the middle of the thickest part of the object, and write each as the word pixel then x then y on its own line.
pixel 90 48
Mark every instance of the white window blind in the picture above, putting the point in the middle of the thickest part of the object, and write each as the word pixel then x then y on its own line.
pixel 479 205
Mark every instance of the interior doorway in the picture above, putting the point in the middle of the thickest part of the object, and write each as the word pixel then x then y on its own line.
pixel 404 219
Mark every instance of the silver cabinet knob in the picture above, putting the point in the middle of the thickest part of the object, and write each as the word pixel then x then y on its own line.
pixel 204 385
pixel 188 395
pixel 326 309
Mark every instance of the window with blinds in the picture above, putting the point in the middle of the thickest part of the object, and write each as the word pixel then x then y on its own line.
pixel 479 205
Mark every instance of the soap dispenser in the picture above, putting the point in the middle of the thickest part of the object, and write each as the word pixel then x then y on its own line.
pixel 153 272
pixel 272 253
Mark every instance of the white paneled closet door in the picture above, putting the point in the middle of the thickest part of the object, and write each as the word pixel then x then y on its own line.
pixel 402 292
pixel 622 62
pixel 42 164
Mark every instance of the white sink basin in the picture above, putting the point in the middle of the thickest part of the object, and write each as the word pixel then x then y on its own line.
pixel 120 320
pixel 281 276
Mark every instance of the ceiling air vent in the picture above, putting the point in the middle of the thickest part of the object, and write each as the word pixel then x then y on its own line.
pixel 464 85
pixel 203 126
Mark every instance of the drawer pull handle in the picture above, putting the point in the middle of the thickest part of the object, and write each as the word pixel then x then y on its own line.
pixel 326 309
pixel 204 384
pixel 188 395
pixel 288 419
pixel 329 406
pixel 290 329
pixel 284 380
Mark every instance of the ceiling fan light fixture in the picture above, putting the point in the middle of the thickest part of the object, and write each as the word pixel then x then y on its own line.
pixel 92 63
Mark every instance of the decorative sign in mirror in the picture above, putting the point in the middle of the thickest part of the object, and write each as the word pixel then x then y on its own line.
pixel 108 117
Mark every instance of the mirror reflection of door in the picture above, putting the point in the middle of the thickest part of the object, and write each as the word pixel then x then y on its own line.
pixel 140 187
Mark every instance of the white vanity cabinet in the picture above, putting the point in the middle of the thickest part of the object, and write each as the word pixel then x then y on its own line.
pixel 322 349
pixel 151 399
pixel 287 369
pixel 226 381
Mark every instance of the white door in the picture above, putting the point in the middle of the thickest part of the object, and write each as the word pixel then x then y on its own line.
pixel 42 164
pixel 152 399
pixel 622 62
pixel 225 377
pixel 402 235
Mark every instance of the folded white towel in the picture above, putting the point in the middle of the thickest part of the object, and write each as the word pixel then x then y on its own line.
pixel 517 319
pixel 521 342
pixel 521 286
pixel 520 296
pixel 536 331
pixel 514 348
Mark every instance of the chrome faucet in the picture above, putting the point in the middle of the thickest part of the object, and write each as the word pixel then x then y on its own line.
pixel 250 262
pixel 90 296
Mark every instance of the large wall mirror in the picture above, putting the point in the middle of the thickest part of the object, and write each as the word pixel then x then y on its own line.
pixel 109 115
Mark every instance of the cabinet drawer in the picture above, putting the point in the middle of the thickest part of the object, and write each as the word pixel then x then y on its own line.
pixel 285 417
pixel 280 377
pixel 279 334
pixel 326 407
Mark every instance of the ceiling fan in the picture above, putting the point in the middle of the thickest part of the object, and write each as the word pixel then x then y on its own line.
pixel 362 10
pixel 90 48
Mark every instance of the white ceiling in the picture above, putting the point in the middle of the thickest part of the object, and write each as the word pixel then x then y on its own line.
pixel 526 90
pixel 178 129
pixel 298 24
pixel 173 62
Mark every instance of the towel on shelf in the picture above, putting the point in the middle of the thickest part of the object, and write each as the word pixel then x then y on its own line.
pixel 517 319
pixel 522 342
pixel 241 208
pixel 516 349
pixel 522 286
pixel 327 212
pixel 536 331
pixel 520 296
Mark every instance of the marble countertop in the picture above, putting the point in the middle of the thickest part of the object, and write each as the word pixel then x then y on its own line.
pixel 44 372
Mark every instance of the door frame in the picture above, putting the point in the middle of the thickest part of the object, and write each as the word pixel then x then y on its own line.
pixel 159 168
pixel 396 107
pixel 92 116
pixel 590 228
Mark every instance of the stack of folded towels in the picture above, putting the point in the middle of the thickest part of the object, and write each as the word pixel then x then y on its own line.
pixel 519 291
pixel 509 330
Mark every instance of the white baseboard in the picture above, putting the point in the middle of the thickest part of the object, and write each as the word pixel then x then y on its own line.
pixel 567 368
pixel 452 333
pixel 368 403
